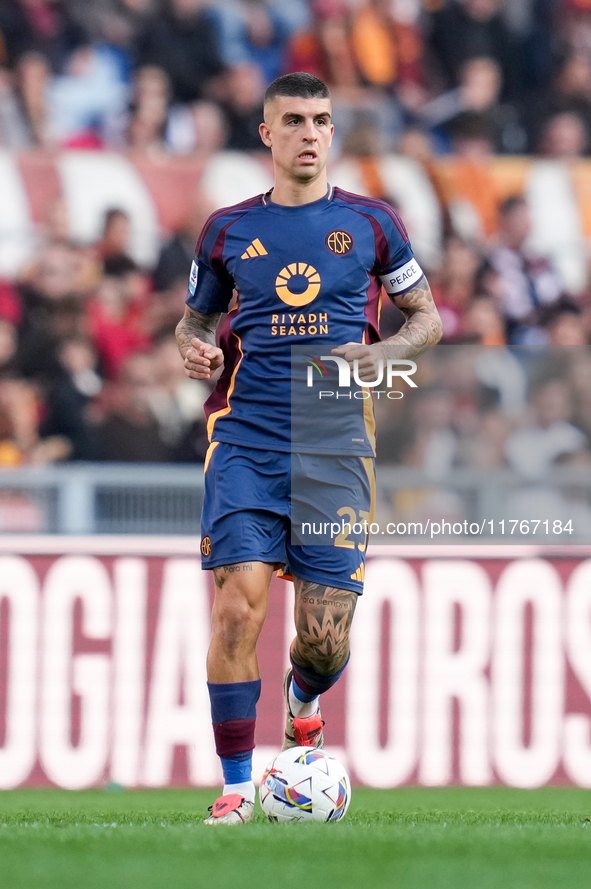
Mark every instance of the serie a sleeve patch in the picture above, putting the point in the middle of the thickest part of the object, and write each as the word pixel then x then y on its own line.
pixel 193 278
pixel 399 280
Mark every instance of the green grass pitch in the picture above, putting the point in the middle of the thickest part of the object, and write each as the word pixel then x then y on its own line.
pixel 410 838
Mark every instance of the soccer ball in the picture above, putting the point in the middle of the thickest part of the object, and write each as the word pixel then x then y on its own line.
pixel 305 784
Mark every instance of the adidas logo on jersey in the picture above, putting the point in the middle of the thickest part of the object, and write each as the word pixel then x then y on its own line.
pixel 359 574
pixel 254 249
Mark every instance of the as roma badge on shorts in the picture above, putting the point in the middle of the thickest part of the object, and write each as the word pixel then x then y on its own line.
pixel 339 242
pixel 206 546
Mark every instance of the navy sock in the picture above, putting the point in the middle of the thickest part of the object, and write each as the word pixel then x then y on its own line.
pixel 301 695
pixel 311 682
pixel 233 713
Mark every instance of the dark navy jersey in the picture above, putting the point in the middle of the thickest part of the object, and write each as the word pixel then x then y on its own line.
pixel 308 276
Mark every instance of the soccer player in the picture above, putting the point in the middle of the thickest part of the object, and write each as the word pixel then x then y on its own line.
pixel 308 262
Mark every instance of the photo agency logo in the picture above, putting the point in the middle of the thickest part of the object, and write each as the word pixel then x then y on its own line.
pixel 388 371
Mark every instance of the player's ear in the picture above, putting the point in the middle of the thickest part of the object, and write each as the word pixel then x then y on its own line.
pixel 265 134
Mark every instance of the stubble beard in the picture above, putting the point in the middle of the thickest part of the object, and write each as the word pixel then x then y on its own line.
pixel 305 175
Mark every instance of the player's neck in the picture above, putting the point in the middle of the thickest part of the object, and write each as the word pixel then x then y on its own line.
pixel 293 194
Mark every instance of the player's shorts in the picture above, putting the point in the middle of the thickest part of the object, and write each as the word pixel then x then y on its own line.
pixel 307 514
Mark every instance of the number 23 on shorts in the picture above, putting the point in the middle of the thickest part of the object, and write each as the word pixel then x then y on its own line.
pixel 352 525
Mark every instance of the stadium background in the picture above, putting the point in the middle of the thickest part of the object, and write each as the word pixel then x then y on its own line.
pixel 123 124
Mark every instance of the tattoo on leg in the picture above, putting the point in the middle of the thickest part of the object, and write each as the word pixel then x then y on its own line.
pixel 323 617
pixel 219 577
pixel 221 574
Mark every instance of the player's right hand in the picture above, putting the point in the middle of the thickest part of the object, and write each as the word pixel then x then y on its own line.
pixel 202 360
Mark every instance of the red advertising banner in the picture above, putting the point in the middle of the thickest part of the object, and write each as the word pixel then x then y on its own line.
pixel 469 665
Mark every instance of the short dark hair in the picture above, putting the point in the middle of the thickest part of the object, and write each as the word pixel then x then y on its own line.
pixel 300 84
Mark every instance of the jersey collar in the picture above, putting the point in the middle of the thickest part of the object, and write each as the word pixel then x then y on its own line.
pixel 312 206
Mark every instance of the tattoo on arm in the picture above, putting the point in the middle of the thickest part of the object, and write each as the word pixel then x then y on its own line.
pixel 422 327
pixel 323 617
pixel 196 324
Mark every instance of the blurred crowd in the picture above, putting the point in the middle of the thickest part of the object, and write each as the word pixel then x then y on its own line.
pixel 184 75
pixel 484 409
pixel 88 363
pixel 89 366
pixel 489 410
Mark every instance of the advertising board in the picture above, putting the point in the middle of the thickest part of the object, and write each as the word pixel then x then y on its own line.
pixel 470 665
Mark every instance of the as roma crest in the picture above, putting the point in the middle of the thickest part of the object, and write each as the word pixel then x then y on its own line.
pixel 339 242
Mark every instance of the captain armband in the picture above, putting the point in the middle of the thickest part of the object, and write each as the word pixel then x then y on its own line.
pixel 402 279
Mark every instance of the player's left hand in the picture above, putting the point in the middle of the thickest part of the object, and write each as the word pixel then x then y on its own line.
pixel 201 359
pixel 367 358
